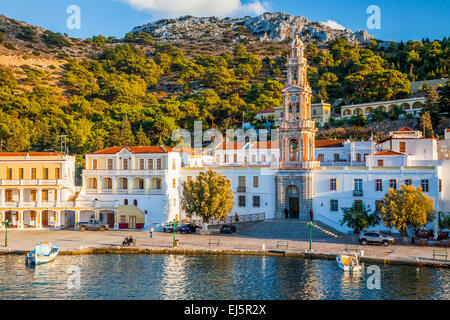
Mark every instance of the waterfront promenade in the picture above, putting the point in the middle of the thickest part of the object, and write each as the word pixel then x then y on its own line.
pixel 74 242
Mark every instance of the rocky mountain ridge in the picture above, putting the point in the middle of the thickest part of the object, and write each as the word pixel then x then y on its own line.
pixel 276 27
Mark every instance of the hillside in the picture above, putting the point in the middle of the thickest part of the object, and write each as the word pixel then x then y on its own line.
pixel 104 91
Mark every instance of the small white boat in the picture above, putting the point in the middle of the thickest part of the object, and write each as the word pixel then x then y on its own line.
pixel 43 253
pixel 348 261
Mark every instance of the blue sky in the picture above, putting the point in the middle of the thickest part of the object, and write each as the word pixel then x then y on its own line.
pixel 400 19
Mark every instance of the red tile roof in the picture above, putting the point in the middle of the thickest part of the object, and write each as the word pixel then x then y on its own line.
pixel 231 146
pixel 406 129
pixel 388 153
pixel 139 149
pixel 329 143
pixel 31 154
pixel 266 145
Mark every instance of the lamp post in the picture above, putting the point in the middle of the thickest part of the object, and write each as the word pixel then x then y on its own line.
pixel 175 224
pixel 310 225
pixel 6 223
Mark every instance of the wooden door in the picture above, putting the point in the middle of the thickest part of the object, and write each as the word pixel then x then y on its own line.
pixel 111 220
pixel 294 207
pixel 132 222
pixel 44 218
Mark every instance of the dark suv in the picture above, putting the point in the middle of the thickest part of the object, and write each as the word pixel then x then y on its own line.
pixel 227 228
pixel 188 228
pixel 375 237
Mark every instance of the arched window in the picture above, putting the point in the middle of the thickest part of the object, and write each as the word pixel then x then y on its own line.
pixel 125 202
pixel 156 183
pixel 135 202
pixel 293 150
pixel 107 183
pixel 124 183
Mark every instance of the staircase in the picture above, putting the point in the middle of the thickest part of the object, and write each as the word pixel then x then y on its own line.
pixel 289 230
pixel 326 229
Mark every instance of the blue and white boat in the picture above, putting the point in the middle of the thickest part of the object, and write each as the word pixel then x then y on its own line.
pixel 43 253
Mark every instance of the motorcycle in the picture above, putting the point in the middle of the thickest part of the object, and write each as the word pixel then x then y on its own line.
pixel 129 241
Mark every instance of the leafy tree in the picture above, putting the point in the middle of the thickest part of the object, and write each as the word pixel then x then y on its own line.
pixel 208 196
pixel 444 221
pixel 378 115
pixel 406 207
pixel 359 217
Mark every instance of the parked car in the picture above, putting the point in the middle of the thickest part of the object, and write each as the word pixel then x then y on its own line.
pixel 92 225
pixel 227 228
pixel 375 237
pixel 168 227
pixel 188 228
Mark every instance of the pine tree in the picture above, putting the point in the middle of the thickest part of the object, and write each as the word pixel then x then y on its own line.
pixel 141 138
pixel 114 137
pixel 426 125
pixel 432 105
pixel 126 134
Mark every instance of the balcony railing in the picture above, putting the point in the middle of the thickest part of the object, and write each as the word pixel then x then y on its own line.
pixel 357 193
pixel 241 189
pixel 60 204
pixel 123 172
pixel 35 182
pixel 342 163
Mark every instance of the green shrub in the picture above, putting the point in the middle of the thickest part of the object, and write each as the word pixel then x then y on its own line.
pixel 55 39
pixel 9 46
pixel 26 34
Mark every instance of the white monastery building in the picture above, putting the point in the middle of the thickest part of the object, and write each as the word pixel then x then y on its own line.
pixel 139 187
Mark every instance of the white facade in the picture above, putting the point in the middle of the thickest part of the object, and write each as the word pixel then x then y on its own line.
pixel 144 180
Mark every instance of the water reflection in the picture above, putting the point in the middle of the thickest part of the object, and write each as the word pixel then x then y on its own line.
pixel 212 277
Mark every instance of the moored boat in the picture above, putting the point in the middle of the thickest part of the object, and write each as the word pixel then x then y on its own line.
pixel 348 261
pixel 43 253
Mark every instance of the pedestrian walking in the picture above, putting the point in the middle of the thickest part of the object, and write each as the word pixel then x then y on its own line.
pixel 286 212
pixel 151 232
pixel 311 215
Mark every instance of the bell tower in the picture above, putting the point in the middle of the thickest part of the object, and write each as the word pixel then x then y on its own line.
pixel 297 130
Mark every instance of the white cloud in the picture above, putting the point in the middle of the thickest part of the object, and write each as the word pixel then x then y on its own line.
pixel 334 25
pixel 200 8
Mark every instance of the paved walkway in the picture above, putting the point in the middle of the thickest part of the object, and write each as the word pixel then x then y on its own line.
pixel 25 240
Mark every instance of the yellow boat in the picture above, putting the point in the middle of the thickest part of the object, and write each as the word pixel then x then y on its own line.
pixel 348 261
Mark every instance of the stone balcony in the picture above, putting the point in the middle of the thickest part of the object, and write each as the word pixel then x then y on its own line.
pixel 297 124
pixel 307 165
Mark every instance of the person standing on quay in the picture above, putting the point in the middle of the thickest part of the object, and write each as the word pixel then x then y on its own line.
pixel 151 232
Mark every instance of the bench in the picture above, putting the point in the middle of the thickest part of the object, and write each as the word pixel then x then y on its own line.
pixel 213 241
pixel 282 244
pixel 440 253
pixel 349 248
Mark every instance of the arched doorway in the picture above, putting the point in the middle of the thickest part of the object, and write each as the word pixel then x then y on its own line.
pixel 293 202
